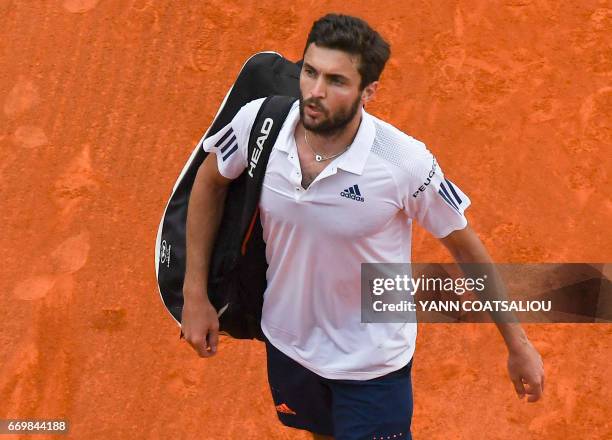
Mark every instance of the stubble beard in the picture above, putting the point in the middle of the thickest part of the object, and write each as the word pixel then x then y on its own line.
pixel 332 124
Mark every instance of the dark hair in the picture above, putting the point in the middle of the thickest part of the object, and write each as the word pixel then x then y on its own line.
pixel 355 36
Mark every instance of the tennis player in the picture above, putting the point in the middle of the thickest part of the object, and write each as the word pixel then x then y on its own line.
pixel 342 187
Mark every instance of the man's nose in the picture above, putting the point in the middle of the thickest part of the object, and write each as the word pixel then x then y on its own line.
pixel 319 89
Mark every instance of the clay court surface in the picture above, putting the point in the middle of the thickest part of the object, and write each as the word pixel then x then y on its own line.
pixel 101 104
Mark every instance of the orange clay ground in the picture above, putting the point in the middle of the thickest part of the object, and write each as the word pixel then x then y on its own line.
pixel 101 104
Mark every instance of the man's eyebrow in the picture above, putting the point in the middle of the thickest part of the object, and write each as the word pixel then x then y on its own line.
pixel 329 75
pixel 308 66
pixel 337 76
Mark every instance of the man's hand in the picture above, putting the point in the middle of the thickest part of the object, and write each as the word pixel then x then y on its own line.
pixel 526 371
pixel 200 325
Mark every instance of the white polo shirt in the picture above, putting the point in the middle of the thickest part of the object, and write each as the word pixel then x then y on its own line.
pixel 359 209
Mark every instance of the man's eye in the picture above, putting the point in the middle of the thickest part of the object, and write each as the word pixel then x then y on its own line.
pixel 337 81
pixel 309 72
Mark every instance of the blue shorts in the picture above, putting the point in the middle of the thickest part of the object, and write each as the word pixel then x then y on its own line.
pixel 379 408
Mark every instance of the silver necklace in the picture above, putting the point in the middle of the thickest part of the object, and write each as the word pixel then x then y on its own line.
pixel 319 157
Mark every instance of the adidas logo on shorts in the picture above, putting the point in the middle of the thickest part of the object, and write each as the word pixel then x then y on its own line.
pixel 283 408
pixel 353 193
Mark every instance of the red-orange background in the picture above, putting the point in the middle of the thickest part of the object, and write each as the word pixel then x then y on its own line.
pixel 103 101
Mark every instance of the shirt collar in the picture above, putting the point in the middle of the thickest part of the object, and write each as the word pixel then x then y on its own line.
pixel 353 160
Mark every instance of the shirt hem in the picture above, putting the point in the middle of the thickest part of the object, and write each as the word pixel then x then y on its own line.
pixel 339 374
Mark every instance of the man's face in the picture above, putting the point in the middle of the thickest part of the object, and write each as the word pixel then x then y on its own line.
pixel 329 89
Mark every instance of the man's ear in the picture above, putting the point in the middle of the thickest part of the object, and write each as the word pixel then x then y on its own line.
pixel 368 92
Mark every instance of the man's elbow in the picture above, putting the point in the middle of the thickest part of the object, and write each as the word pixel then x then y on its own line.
pixel 465 245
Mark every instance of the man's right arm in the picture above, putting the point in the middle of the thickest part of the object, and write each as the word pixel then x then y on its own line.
pixel 199 324
pixel 228 150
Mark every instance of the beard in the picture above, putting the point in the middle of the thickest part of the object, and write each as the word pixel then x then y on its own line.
pixel 331 123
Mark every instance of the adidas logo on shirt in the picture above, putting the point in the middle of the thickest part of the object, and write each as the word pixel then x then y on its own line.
pixel 353 193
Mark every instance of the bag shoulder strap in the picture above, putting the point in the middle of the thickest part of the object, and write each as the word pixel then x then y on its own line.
pixel 266 127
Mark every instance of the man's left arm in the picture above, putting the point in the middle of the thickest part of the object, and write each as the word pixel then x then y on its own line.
pixel 525 365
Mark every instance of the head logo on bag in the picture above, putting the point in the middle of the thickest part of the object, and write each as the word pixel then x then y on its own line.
pixel 265 131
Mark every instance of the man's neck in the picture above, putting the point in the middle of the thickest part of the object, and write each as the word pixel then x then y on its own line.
pixel 331 144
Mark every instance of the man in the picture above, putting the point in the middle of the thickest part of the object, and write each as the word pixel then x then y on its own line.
pixel 341 188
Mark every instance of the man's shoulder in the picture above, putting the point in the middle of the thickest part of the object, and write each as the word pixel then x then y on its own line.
pixel 400 149
pixel 251 108
pixel 243 120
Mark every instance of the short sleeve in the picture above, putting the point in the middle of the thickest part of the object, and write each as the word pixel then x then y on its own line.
pixel 433 200
pixel 230 144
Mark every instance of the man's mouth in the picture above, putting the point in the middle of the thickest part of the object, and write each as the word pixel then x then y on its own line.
pixel 313 110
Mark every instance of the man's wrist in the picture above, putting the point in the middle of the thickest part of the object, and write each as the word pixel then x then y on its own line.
pixel 195 291
pixel 515 338
pixel 518 344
